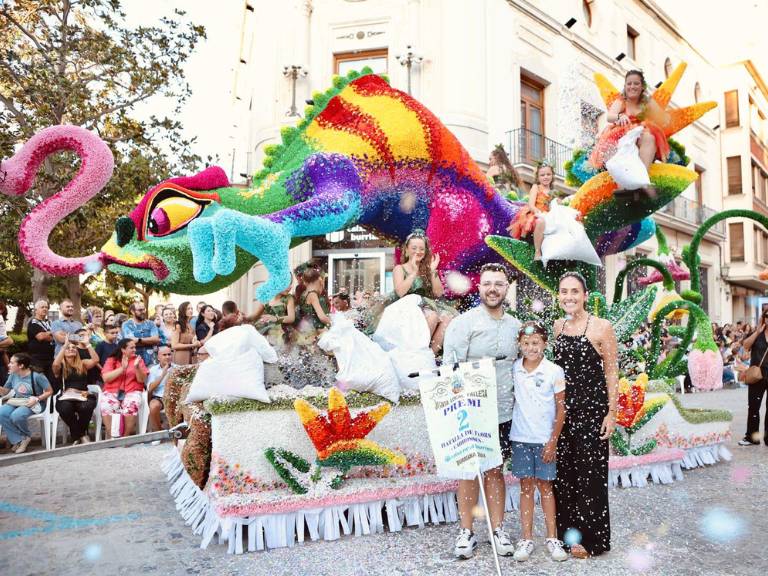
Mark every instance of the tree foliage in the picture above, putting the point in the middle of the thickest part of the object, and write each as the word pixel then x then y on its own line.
pixel 78 62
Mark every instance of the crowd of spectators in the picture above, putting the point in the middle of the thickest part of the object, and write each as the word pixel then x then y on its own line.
pixel 729 339
pixel 106 360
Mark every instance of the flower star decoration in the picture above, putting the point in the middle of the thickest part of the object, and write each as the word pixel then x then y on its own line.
pixel 631 400
pixel 340 439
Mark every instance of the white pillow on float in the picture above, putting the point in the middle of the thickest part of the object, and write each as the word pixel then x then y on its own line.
pixel 235 367
pixel 565 237
pixel 363 365
pixel 625 166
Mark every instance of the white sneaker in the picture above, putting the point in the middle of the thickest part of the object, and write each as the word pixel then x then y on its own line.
pixel 465 544
pixel 85 440
pixel 555 548
pixel 524 550
pixel 504 545
pixel 22 446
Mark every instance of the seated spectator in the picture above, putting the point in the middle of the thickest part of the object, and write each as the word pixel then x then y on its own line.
pixel 158 376
pixel 24 384
pixel 124 374
pixel 75 405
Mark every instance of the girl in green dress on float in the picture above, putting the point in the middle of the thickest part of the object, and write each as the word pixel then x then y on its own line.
pixel 314 309
pixel 274 319
pixel 417 274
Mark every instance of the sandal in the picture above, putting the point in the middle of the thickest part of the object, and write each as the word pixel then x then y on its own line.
pixel 578 551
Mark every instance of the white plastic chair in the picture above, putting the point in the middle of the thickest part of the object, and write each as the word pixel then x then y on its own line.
pixel 143 416
pixel 45 424
pixel 144 413
pixel 96 389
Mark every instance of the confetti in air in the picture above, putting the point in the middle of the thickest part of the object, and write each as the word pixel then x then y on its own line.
pixel 639 560
pixel 458 283
pixel 741 474
pixel 572 537
pixel 408 202
pixel 721 526
pixel 92 552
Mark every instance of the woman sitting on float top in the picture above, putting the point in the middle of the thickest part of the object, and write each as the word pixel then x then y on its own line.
pixel 633 108
pixel 417 274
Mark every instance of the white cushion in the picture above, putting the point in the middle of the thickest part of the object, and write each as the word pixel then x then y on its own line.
pixel 235 367
pixel 363 365
pixel 625 166
pixel 403 324
pixel 565 237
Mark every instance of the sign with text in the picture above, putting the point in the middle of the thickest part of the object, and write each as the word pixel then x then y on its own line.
pixel 462 418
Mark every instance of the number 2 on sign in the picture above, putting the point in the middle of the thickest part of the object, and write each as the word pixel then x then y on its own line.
pixel 462 415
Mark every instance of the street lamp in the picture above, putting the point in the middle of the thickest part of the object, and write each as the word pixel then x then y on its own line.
pixel 408 60
pixel 293 72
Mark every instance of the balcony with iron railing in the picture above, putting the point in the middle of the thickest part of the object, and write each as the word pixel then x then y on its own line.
pixel 528 147
pixel 693 213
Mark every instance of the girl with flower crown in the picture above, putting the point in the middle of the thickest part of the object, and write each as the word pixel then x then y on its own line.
pixel 417 274
pixel 529 219
pixel 633 108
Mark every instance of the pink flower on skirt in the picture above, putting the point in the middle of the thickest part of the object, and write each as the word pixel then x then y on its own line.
pixel 706 369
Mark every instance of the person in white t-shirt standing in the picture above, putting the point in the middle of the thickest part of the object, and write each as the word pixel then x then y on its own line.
pixel 537 420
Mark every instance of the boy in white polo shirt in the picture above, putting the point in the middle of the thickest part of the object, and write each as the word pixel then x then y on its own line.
pixel 536 424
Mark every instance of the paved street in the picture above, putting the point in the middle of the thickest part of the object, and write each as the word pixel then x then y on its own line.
pixel 109 512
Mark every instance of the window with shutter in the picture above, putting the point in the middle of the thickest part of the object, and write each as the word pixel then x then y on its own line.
pixel 731 108
pixel 734 175
pixel 736 240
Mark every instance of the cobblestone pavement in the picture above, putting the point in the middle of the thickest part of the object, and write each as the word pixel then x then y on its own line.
pixel 109 513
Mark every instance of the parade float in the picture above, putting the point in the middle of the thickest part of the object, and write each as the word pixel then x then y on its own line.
pixel 271 467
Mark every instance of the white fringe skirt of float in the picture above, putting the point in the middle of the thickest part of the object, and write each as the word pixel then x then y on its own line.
pixel 330 523
pixel 669 471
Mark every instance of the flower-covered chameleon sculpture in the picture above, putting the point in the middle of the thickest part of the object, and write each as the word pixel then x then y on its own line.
pixel 365 155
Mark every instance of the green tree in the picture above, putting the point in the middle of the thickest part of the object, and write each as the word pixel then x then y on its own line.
pixel 78 62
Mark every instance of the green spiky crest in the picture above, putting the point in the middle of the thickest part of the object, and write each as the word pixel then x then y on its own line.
pixel 276 153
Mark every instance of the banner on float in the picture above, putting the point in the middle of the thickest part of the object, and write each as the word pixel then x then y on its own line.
pixel 462 418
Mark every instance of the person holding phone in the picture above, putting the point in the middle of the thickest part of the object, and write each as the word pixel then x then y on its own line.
pixel 75 405
pixel 124 374
pixel 757 345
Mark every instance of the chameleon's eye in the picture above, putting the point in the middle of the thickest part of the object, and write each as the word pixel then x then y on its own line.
pixel 168 208
pixel 172 214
